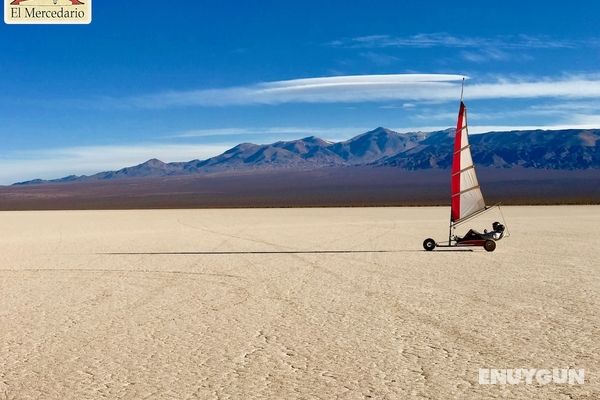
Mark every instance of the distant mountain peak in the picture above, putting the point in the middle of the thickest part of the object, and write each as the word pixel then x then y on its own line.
pixel 154 162
pixel 382 129
pixel 313 139
pixel 378 131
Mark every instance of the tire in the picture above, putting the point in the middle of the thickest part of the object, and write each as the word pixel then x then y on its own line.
pixel 489 245
pixel 429 244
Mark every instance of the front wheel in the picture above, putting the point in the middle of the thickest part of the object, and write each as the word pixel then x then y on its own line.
pixel 429 244
pixel 489 245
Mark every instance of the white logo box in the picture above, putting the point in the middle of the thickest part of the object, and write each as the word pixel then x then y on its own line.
pixel 48 12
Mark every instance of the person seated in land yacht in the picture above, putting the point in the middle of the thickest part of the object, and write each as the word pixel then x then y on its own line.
pixel 495 234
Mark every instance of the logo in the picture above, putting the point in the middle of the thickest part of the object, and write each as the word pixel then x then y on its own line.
pixel 47 11
pixel 73 2
pixel 530 376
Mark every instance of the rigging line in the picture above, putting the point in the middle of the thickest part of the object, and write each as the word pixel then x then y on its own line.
pixel 463 170
pixel 475 214
pixel 504 221
pixel 466 190
pixel 462 149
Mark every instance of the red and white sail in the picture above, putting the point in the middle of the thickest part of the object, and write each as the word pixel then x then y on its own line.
pixel 466 194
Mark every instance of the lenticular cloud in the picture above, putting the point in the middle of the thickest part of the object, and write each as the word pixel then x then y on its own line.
pixel 370 88
pixel 358 88
pixel 353 88
pixel 363 80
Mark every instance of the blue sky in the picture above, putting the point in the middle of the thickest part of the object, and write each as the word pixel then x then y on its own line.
pixel 187 80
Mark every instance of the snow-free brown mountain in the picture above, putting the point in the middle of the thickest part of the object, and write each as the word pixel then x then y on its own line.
pixel 572 149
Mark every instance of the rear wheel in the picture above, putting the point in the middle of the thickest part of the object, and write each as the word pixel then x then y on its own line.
pixel 489 245
pixel 429 244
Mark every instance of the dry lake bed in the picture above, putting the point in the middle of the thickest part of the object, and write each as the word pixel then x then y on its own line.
pixel 317 303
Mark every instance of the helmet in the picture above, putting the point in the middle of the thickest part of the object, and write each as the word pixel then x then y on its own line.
pixel 498 227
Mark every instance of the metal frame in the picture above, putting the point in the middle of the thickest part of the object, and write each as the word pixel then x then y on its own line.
pixel 453 226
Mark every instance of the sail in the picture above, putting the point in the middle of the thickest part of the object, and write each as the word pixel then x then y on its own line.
pixel 466 194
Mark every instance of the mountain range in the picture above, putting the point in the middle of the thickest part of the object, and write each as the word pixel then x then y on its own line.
pixel 572 149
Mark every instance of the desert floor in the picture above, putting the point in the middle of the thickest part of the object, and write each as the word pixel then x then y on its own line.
pixel 252 303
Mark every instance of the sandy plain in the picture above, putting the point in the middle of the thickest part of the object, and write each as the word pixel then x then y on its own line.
pixel 253 303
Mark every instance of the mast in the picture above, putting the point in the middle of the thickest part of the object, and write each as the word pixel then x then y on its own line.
pixel 460 107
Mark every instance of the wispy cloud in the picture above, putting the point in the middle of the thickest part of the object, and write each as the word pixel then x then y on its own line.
pixel 567 107
pixel 54 163
pixel 474 49
pixel 372 88
pixel 351 88
pixel 572 87
pixel 377 58
pixel 440 39
pixel 329 133
pixel 556 115
pixel 485 55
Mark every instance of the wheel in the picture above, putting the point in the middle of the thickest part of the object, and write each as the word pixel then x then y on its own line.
pixel 489 245
pixel 429 244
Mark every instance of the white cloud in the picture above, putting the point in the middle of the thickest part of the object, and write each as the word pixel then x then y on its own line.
pixel 344 89
pixel 373 88
pixel 379 59
pixel 565 115
pixel 571 87
pixel 440 39
pixel 485 55
pixel 591 121
pixel 56 163
pixel 298 131
pixel 568 107
pixel 474 49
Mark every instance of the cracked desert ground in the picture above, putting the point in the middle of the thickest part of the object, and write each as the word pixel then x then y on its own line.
pixel 249 303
